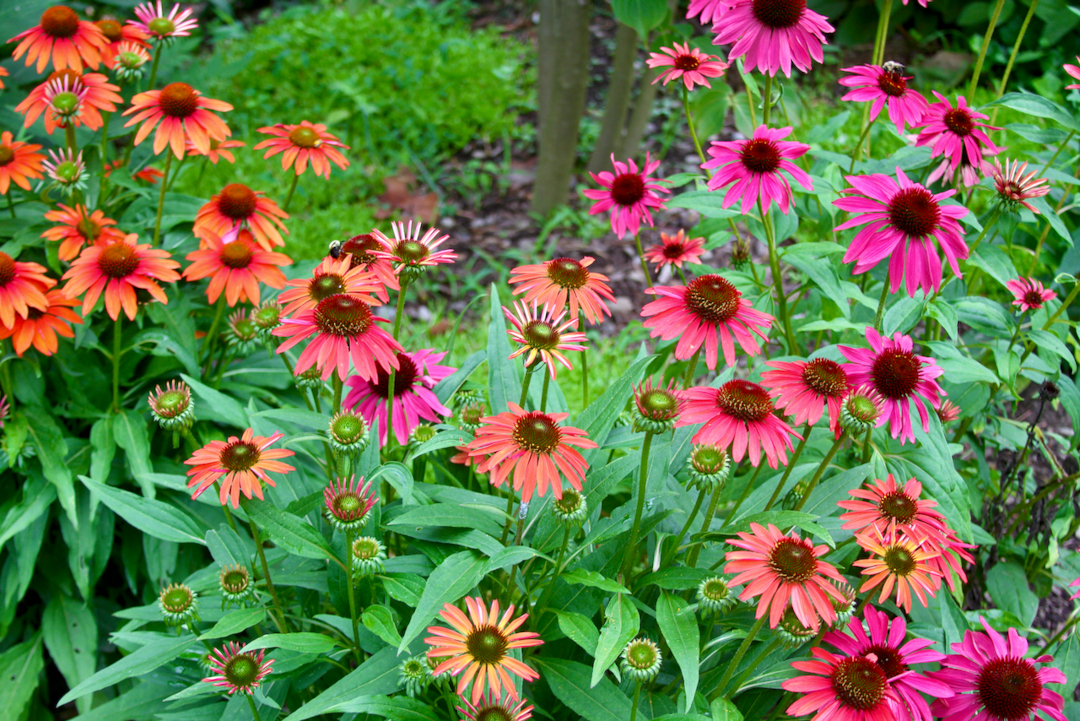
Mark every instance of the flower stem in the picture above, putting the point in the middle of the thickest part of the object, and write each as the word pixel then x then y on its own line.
pixel 118 351
pixel 544 392
pixel 509 514
pixel 766 100
pixel 161 197
pixel 867 124
pixel 1064 304
pixel 690 519
pixel 750 668
pixel 790 466
pixel 692 556
pixel 778 279
pixel 743 648
pixel 69 135
pixel 352 597
pixel 820 472
pixel 541 605
pixel 211 336
pixel 251 703
pixel 153 65
pixel 1016 333
pixel 279 619
pixel 982 51
pixel 745 492
pixel 637 699
pixel 631 546
pixel 882 33
pixel 690 124
pixel 11 204
pixel 525 384
pixel 288 197
pixel 881 305
pixel 584 375
pixel 1012 57
pixel 641 257
pixel 398 315
pixel 691 369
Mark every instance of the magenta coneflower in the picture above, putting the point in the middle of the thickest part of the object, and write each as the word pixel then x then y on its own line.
pixel 841 688
pixel 889 506
pixel 782 570
pixel 752 168
pixel 772 35
pixel 804 389
pixel 417 373
pixel 893 370
pixel 153 21
pixel 630 195
pixel 565 281
pixel 1029 294
pixel 956 133
pixel 410 252
pixel 900 561
pixel 1073 71
pixel 885 85
pixel 1074 584
pixel 690 64
pixel 708 312
pixel 738 415
pixel 1016 187
pixel 348 503
pixel 994 682
pixel 237 670
pixel 708 11
pixel 950 556
pixel 361 251
pixel 948 412
pixel 676 250
pixel 902 219
pixel 542 333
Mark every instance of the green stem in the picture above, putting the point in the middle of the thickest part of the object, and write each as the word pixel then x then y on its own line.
pixel 695 552
pixel 986 229
pixel 254 711
pixel 867 124
pixel 778 279
pixel 745 492
pixel 690 519
pixel 982 51
pixel 288 198
pixel 509 515
pixel 641 257
pixel 883 33
pixel 584 375
pixel 820 472
pixel 118 351
pixel 69 135
pixel 691 369
pixel 11 204
pixel 211 336
pixel 790 466
pixel 525 385
pixel 631 546
pixel 1016 333
pixel 544 392
pixel 750 103
pixel 1073 618
pixel 690 124
pixel 766 100
pixel 743 648
pixel 398 315
pixel 750 668
pixel 881 305
pixel 161 197
pixel 541 605
pixel 154 65
pixel 637 699
pixel 1012 57
pixel 1064 304
pixel 279 620
pixel 352 597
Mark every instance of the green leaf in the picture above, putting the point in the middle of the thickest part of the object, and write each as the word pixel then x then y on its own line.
pixel 19 668
pixel 602 702
pixel 397 475
pixel 1067 660
pixel 619 627
pixel 442 439
pixel 680 628
pixel 103 449
pixel 446 388
pixel 378 675
pixel 641 15
pixel 724 710
pixel 146 659
pixel 1044 339
pixel 706 202
pixel 37 496
pixel 578 629
pixel 153 517
pixel 218 406
pixel 823 274
pixel 304 642
pixel 681 578
pixel 1039 107
pixel 286 530
pixel 995 262
pixel 380 621
pixel 404 587
pixel 902 316
pixel 52 452
pixel 141 702
pixel 504 386
pixel 1008 586
pixel 234 622
pixel 1053 218
pixel 164 345
pixel 448 515
pixel 598 418
pixel 455 576
pixel 941 311
pixel 398 708
pixel 958 367
pixel 782 519
pixel 593 579
pixel 71 635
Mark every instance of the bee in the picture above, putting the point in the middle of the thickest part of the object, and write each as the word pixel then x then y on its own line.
pixel 335 249
pixel 892 67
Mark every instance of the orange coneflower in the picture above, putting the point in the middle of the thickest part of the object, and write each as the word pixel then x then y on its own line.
pixel 68 96
pixel 218 149
pixel 63 38
pixel 117 35
pixel 240 464
pixel 302 144
pixel 184 114
pixel 39 327
pixel 328 278
pixel 898 560
pixel 565 280
pixel 18 162
pixel 236 265
pixel 237 204
pixel 116 270
pixel 22 287
pixel 78 227
pixel 888 505
pixel 3 74
pixel 478 646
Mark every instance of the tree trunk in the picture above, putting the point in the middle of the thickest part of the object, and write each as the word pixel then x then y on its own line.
pixel 563 63
pixel 643 108
pixel 620 86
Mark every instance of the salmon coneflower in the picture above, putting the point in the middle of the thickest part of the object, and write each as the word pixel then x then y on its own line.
pixel 991 679
pixel 361 252
pixel 690 65
pixel 950 556
pixel 841 688
pixel 889 506
pixel 117 270
pixel 1029 294
pixel 241 465
pixel 676 250
pixel 752 168
pixel 153 22
pixel 534 447
pixel 62 37
pixel 344 328
pixel 565 281
pixel 330 277
pixel 709 312
pixel 218 149
pixel 236 670
pixel 19 162
pixel 3 74
pixel 417 373
pixel 40 327
pixel 411 253
pixel 804 389
pixel 955 133
pixel 66 169
pixel 235 264
pixel 68 97
pixel 772 35
pixel 885 86
pixel 784 570
pixel 891 368
pixel 493 708
pixel 478 648
pixel 180 113
pixel 542 333
pixel 78 227
pixel 236 205
pixel 303 144
pixel 22 288
pixel 118 35
pixel 629 194
pixel 898 560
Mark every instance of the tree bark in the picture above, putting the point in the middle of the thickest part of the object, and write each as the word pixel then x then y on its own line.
pixel 643 108
pixel 563 64
pixel 620 86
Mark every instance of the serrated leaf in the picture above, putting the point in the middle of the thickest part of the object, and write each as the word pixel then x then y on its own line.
pixel 144 660
pixel 619 627
pixel 150 516
pixel 234 622
pixel 680 628
pixel 455 576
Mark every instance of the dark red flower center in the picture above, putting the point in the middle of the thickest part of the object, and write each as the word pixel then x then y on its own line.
pixel 237 201
pixel 304 137
pixel 628 188
pixel 540 335
pixel 744 401
pixel 239 456
pixel 360 247
pixel 779 14
pixel 7 154
pixel 323 286
pixel 536 432
pixel 899 560
pixel 118 260
pixel 914 212
pixel 892 84
pixel 236 254
pixel 343 315
pixel 487 644
pixel 712 299
pixel 859 683
pixel 793 560
pixel 895 373
pixel 60 21
pixel 959 121
pixel 673 251
pixel 241 670
pixel 110 29
pixel 404 379
pixel 898 506
pixel 760 156
pixel 88 229
pixel 567 273
pixel 889 659
pixel 411 251
pixel 1034 299
pixel 825 377
pixel 34 314
pixel 1009 688
pixel 178 100
pixel 686 61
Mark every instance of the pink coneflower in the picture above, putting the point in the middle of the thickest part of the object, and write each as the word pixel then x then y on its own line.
pixel 181 114
pixel 330 277
pixel 5 410
pixel 237 670
pixel 417 373
pixel 303 144
pixel 898 560
pixel 1074 72
pixel 68 97
pixel 676 250
pixel 478 647
pixel 630 195
pixel 950 556
pixel 707 11
pixel 948 412
pixel 784 570
pixel 22 288
pixel 236 265
pixel 889 506
pixel 772 35
pixel 738 415
pixel 77 227
pixel 218 149
pixel 238 205
pixel 348 502
pixel 239 464
pixel 752 168
pixel 1074 584
pixel 690 64
pixel 361 251
pixel 902 219
pixel 153 22
pixel 64 38
pixel 493 708
pixel 411 253
pixel 542 333
pixel 709 312
pixel 534 447
pixel 886 646
pixel 1016 187
pixel 841 688
pixel 40 327
pixel 956 133
pixel 893 370
pixel 1029 294
pixel 344 329
pixel 804 389
pixel 885 85
pixel 19 162
pixel 565 281
pixel 117 270
pixel 994 682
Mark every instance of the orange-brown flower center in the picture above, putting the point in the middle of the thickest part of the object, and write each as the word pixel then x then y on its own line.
pixel 759 155
pixel 892 84
pixel 779 14
pixel 343 315
pixel 487 644
pixel 304 137
pixel 237 201
pixel 60 21
pixel 567 273
pixel 888 659
pixel 540 335
pixel 899 560
pixel 959 121
pixel 118 260
pixel 239 456
pixel 236 254
pixel 323 286
pixel 628 188
pixel 895 373
pixel 178 100
pixel 712 299
pixel 7 154
pixel 7 269
pixel 360 247
pixel 111 29
pixel 88 229
pixel 859 683
pixel 71 76
pixel 914 212
pixel 793 560
pixel 825 377
pixel 685 61
pixel 898 506
pixel 536 432
pixel 404 379
pixel 744 401
pixel 1009 688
